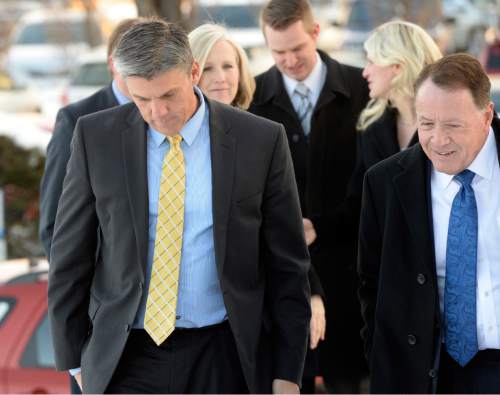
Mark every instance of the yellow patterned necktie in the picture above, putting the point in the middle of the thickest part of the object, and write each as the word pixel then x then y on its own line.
pixel 159 320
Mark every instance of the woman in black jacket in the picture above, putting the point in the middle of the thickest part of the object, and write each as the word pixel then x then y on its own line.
pixel 396 53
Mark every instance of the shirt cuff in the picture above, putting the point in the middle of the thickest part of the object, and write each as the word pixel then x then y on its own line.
pixel 75 371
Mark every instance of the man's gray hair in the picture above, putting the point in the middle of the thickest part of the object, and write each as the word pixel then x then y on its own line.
pixel 150 47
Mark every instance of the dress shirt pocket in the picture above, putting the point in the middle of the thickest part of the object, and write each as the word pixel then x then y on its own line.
pixel 94 305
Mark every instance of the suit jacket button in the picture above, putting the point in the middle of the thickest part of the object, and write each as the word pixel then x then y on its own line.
pixel 412 340
pixel 295 138
pixel 432 373
pixel 127 328
pixel 421 279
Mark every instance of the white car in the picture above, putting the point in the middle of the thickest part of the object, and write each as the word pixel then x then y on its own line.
pixel 46 43
pixel 90 75
pixel 469 25
pixel 28 130
pixel 16 98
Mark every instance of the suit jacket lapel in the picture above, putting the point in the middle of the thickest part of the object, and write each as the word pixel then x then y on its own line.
pixel 223 151
pixel 134 144
pixel 412 188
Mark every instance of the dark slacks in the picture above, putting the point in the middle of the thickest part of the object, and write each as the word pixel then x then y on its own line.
pixel 480 376
pixel 202 360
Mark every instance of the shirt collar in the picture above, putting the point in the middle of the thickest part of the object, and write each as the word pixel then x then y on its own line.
pixel 482 165
pixel 119 96
pixel 314 80
pixel 190 129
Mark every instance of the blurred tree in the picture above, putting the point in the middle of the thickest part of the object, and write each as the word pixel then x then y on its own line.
pixel 180 11
pixel 20 174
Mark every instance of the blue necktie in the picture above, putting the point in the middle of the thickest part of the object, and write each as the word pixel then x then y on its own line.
pixel 460 283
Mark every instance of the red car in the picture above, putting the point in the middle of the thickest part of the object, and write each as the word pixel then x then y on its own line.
pixel 26 352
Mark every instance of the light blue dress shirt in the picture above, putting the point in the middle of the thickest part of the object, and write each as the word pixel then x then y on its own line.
pixel 199 300
pixel 119 96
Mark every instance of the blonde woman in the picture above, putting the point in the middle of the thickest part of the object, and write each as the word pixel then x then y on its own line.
pixel 396 53
pixel 225 75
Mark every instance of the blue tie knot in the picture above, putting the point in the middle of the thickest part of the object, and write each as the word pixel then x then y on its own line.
pixel 465 177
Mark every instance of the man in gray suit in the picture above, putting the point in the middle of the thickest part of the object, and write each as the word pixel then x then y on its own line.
pixel 58 151
pixel 200 283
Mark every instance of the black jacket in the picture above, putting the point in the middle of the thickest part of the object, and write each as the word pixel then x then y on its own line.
pixel 323 165
pixel 58 152
pixel 397 268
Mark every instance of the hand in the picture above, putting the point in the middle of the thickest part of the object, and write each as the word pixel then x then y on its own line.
pixel 318 321
pixel 78 378
pixel 285 387
pixel 309 232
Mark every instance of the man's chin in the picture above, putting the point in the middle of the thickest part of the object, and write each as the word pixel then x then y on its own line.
pixel 167 130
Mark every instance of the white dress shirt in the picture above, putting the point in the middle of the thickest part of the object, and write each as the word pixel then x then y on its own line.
pixel 314 81
pixel 486 186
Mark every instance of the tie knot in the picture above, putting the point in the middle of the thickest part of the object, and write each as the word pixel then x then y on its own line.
pixel 465 177
pixel 302 90
pixel 175 140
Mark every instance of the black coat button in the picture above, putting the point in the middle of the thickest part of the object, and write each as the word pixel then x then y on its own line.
pixel 295 138
pixel 412 340
pixel 432 373
pixel 421 279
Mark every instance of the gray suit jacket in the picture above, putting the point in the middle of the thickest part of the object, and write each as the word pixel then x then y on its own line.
pixel 261 256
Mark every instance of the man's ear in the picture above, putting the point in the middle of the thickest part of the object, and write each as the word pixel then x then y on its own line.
pixel 489 113
pixel 315 31
pixel 195 73
pixel 111 66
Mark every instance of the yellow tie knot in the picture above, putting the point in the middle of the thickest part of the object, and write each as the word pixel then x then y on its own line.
pixel 175 140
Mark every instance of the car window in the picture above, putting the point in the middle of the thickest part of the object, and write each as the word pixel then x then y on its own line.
pixel 6 306
pixel 92 74
pixel 39 352
pixel 232 16
pixel 59 33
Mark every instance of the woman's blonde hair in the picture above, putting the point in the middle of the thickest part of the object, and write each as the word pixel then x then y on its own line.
pixel 203 38
pixel 403 43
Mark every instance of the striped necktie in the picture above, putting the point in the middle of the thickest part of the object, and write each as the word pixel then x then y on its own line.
pixel 304 108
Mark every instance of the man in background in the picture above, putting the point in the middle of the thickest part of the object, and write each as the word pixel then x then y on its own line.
pixel 318 100
pixel 58 150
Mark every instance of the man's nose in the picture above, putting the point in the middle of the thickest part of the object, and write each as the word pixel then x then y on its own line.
pixel 440 137
pixel 158 109
pixel 290 59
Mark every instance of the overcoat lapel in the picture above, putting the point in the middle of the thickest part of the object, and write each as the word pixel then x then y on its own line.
pixel 412 188
pixel 223 151
pixel 134 144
